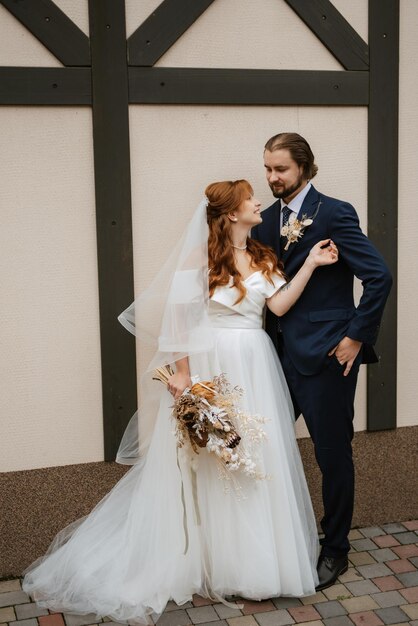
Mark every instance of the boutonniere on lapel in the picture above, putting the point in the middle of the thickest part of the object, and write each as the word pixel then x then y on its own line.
pixel 295 229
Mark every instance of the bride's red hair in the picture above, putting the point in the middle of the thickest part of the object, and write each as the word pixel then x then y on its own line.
pixel 225 197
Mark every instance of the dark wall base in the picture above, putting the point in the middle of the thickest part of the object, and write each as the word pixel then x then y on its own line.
pixel 36 504
pixel 386 476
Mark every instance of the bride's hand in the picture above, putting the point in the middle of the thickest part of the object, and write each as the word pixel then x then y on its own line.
pixel 325 252
pixel 177 383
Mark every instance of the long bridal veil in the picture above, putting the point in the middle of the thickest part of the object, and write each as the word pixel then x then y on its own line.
pixel 171 315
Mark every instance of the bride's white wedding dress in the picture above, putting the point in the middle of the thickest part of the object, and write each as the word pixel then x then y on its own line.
pixel 128 557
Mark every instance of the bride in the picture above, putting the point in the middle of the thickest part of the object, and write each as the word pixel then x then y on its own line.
pixel 173 526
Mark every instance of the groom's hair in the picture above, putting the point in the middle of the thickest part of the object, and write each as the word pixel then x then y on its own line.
pixel 299 149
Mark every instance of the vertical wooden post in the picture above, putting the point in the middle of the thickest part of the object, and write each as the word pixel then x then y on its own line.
pixel 383 196
pixel 113 213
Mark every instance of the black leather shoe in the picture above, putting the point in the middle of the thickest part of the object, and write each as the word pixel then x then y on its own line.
pixel 329 568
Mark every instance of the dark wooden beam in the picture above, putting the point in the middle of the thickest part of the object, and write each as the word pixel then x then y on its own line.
pixel 113 214
pixel 221 86
pixel 327 23
pixel 162 28
pixel 45 85
pixel 383 197
pixel 53 29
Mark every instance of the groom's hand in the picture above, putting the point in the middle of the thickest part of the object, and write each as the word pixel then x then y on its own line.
pixel 346 352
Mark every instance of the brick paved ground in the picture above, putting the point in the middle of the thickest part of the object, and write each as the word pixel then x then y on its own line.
pixel 379 588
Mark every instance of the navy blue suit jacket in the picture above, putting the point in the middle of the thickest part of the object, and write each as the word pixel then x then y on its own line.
pixel 325 312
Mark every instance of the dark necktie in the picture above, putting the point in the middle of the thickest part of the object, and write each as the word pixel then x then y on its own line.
pixel 286 213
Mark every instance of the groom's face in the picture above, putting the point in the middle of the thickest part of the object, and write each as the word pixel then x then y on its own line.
pixel 284 176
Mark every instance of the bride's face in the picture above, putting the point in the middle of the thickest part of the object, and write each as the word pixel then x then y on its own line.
pixel 249 212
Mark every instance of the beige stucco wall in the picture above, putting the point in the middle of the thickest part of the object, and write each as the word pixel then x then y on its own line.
pixel 408 218
pixel 51 412
pixel 50 357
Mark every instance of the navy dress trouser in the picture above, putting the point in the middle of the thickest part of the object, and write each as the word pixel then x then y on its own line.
pixel 326 401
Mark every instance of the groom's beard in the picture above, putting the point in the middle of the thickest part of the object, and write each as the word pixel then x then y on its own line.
pixel 285 192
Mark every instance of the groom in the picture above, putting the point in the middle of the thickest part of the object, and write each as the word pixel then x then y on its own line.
pixel 324 338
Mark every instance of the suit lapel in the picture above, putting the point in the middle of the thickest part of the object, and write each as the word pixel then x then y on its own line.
pixel 309 206
pixel 273 226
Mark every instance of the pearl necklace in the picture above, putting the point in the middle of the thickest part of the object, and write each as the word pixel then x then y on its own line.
pixel 238 247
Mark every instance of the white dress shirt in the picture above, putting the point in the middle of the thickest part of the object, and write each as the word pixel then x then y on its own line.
pixel 295 204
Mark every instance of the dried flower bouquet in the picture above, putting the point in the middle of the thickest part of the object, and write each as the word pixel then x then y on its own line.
pixel 208 416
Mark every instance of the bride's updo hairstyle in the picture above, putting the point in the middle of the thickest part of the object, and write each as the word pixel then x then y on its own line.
pixel 223 198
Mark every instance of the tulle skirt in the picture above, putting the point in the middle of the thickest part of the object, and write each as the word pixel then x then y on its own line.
pixel 169 528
